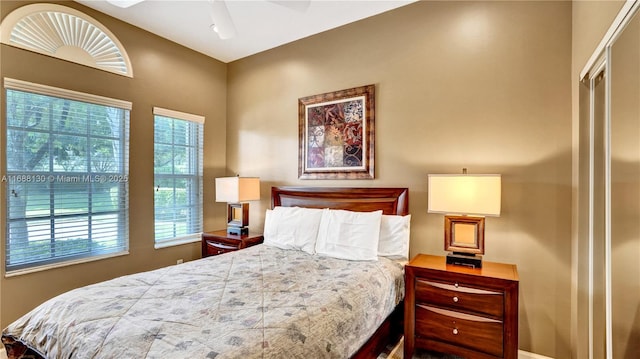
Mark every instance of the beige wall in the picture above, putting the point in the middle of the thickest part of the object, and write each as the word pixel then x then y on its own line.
pixel 482 85
pixel 166 75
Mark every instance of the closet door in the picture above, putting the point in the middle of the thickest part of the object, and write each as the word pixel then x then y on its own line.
pixel 584 318
pixel 609 194
pixel 625 193
pixel 598 208
pixel 592 199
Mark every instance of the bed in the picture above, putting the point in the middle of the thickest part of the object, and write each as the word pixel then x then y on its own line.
pixel 260 302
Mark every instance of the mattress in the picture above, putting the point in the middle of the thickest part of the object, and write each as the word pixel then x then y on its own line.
pixel 260 302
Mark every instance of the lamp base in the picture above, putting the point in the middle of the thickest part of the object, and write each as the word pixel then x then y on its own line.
pixel 464 259
pixel 237 231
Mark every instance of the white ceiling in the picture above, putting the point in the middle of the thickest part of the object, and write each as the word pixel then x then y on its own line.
pixel 260 24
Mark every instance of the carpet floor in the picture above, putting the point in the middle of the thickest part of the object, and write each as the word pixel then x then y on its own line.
pixel 397 352
pixel 392 352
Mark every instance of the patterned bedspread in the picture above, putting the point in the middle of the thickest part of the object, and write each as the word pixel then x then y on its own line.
pixel 260 302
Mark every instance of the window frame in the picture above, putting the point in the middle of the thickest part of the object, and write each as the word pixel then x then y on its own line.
pixel 121 171
pixel 196 178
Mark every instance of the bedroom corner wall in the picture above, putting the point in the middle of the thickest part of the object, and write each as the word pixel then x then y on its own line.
pixel 166 75
pixel 481 85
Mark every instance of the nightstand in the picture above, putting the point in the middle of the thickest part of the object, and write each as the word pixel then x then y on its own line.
pixel 218 242
pixel 470 312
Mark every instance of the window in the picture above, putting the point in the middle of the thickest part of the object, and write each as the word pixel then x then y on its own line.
pixel 65 33
pixel 67 176
pixel 178 177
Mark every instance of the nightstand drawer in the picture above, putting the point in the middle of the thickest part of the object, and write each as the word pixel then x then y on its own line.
pixel 215 248
pixel 218 242
pixel 459 329
pixel 222 241
pixel 458 296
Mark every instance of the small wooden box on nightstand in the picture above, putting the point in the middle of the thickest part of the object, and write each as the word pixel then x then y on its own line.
pixel 218 242
pixel 470 312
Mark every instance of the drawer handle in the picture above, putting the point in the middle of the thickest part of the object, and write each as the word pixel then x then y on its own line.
pixel 455 331
pixel 455 299
pixel 458 287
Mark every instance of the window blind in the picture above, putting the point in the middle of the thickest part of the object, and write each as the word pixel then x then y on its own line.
pixel 178 151
pixel 67 176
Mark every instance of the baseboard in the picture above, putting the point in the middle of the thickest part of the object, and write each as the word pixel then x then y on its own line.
pixel 526 355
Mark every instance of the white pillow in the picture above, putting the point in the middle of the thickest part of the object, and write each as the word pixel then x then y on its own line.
pixel 394 237
pixel 292 228
pixel 349 235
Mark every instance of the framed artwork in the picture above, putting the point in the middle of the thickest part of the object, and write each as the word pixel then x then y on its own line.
pixel 336 134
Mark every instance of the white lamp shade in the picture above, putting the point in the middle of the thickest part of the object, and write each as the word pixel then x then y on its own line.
pixel 464 194
pixel 237 189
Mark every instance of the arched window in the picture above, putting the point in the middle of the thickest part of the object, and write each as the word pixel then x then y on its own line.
pixel 67 34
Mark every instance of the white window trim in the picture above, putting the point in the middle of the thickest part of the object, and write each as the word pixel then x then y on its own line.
pixel 18 272
pixel 178 241
pixel 159 111
pixel 19 85
pixel 193 237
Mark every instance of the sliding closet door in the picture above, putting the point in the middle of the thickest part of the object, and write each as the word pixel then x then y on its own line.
pixel 625 193
pixel 609 194
pixel 592 262
pixel 598 238
pixel 583 318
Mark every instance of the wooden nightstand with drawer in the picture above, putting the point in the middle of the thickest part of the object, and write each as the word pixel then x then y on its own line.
pixel 470 312
pixel 218 242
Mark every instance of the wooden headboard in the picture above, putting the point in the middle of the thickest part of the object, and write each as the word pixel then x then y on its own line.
pixel 389 200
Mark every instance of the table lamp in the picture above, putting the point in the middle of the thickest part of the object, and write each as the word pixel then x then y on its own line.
pixel 236 191
pixel 464 199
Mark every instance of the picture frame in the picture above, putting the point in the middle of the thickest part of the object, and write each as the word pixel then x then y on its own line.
pixel 464 234
pixel 337 134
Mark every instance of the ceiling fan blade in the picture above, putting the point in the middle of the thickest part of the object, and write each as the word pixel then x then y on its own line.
pixel 297 5
pixel 223 24
pixel 124 3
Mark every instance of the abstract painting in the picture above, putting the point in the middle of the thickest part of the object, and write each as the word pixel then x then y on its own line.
pixel 336 134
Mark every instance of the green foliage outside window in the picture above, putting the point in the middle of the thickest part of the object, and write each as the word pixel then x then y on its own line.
pixel 66 178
